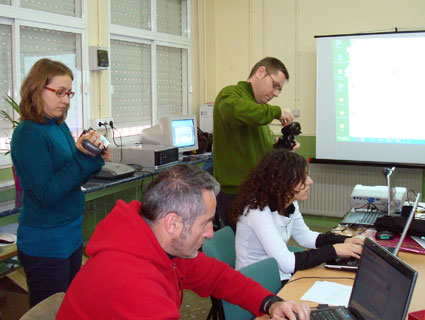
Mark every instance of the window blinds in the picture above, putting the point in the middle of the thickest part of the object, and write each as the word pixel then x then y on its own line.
pixel 131 80
pixel 132 102
pixel 39 43
pixel 65 7
pixel 169 16
pixel 131 13
pixel 169 81
pixel 5 74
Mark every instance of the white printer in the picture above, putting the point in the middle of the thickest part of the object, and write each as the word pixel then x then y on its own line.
pixel 206 117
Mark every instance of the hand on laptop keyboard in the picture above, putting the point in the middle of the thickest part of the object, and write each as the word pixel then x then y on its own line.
pixel 352 247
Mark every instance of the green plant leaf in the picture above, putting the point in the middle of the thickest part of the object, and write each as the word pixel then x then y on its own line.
pixel 15 106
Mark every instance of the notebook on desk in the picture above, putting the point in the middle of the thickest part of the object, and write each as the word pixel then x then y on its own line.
pixel 362 217
pixel 382 288
pixel 351 264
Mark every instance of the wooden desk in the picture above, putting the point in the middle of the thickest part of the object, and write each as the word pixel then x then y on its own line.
pixel 295 290
pixel 8 252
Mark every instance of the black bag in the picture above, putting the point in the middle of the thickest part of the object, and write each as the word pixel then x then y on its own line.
pixel 205 140
pixel 396 225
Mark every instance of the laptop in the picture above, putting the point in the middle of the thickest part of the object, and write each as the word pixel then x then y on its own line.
pixel 351 264
pixel 382 289
pixel 419 240
pixel 362 217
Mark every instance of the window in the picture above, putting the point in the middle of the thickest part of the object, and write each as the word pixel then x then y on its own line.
pixel 132 13
pixel 131 79
pixel 169 80
pixel 64 7
pixel 171 17
pixel 150 52
pixel 27 37
pixel 5 83
pixel 61 46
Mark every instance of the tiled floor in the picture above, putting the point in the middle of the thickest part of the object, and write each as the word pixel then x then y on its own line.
pixel 194 307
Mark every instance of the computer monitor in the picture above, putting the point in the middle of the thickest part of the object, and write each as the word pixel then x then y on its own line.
pixel 178 131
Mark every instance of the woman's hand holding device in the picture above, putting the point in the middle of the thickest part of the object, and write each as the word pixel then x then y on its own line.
pixel 92 143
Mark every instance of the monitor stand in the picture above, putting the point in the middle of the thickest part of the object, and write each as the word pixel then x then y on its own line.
pixel 389 172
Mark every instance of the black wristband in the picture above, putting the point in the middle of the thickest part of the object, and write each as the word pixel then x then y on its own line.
pixel 272 300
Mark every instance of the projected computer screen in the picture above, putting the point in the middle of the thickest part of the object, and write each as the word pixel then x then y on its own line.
pixel 371 97
pixel 183 132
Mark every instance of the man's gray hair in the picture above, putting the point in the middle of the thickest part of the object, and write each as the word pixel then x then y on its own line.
pixel 178 189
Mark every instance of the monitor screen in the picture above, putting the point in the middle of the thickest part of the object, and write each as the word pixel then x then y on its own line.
pixel 183 131
pixel 371 98
pixel 178 131
pixel 383 286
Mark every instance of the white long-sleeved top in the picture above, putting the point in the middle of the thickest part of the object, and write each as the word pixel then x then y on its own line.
pixel 264 234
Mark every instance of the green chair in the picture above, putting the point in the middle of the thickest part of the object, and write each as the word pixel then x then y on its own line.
pixel 266 272
pixel 295 249
pixel 221 247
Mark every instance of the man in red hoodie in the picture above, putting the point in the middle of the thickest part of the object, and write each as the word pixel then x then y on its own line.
pixel 142 257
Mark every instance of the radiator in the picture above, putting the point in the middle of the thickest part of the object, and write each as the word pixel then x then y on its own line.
pixel 333 184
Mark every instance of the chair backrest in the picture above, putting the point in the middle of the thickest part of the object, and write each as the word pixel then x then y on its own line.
pixel 266 272
pixel 221 246
pixel 295 249
pixel 46 309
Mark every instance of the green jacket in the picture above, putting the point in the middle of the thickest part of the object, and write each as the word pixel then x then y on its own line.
pixel 241 134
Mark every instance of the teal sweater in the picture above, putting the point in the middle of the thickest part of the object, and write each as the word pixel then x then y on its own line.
pixel 241 134
pixel 51 171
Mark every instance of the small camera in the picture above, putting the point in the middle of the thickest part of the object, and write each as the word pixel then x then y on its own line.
pixel 89 146
pixel 287 140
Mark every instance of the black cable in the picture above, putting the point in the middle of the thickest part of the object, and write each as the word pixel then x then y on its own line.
pixel 104 124
pixel 414 196
pixel 111 124
pixel 143 181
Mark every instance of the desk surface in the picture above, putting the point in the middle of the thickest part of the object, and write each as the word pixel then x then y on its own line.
pixel 295 290
pixel 8 208
pixel 8 252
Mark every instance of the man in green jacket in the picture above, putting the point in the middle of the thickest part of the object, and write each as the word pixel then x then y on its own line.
pixel 241 127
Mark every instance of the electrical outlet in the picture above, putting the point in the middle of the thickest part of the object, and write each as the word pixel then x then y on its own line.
pixel 94 123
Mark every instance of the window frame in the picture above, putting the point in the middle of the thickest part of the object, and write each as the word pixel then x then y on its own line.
pixel 17 17
pixel 154 39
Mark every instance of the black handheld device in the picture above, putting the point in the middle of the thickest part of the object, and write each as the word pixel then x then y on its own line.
pixel 90 146
pixel 287 140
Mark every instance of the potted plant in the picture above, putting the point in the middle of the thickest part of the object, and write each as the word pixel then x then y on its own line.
pixel 15 106
pixel 5 115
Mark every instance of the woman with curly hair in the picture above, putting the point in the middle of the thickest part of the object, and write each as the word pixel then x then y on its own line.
pixel 267 215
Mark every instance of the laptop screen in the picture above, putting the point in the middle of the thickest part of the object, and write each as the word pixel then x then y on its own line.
pixel 383 285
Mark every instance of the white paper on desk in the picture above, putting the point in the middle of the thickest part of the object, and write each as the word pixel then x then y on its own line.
pixel 331 293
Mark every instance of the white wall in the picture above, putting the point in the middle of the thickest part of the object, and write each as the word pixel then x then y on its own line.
pixel 244 31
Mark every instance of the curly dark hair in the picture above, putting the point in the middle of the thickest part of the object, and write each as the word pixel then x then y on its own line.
pixel 273 180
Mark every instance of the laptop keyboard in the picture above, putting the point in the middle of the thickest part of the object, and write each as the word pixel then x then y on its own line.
pixel 330 314
pixel 371 216
pixel 353 262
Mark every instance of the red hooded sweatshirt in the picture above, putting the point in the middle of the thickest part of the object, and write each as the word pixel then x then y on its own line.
pixel 130 276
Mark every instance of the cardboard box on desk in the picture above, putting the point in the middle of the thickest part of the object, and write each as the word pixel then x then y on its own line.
pixel 417 315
